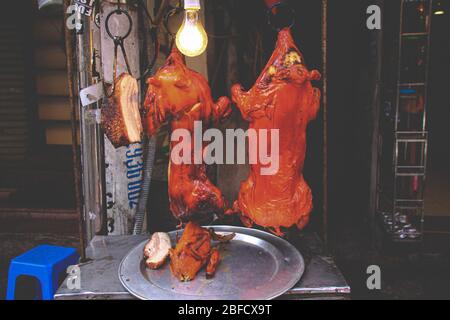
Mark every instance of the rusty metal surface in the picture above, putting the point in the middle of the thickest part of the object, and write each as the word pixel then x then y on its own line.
pixel 99 278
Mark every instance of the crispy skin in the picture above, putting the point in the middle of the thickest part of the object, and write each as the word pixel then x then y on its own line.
pixel 121 119
pixel 282 98
pixel 194 251
pixel 191 253
pixel 181 96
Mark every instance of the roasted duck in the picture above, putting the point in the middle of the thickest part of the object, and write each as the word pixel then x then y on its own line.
pixel 282 98
pixel 194 251
pixel 121 119
pixel 181 96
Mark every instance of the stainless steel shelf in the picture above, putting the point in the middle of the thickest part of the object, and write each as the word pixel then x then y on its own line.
pixel 400 193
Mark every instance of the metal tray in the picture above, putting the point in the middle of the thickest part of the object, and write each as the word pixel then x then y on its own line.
pixel 255 265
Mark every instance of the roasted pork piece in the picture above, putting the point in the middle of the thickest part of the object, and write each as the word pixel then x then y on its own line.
pixel 121 118
pixel 156 251
pixel 284 99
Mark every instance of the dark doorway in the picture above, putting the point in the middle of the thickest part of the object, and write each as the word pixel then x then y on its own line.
pixel 437 192
pixel 36 163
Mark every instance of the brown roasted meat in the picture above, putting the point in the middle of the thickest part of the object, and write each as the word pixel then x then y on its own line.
pixel 121 118
pixel 194 251
pixel 191 253
pixel 182 96
pixel 282 98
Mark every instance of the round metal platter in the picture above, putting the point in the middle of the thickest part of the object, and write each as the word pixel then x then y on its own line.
pixel 255 265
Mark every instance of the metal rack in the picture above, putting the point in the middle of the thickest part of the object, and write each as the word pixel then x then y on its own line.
pixel 401 201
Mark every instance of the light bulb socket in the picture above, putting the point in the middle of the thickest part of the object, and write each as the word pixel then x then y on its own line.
pixel 192 4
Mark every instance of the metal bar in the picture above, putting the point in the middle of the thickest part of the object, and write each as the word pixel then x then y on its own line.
pixel 374 202
pixel 426 93
pixel 412 84
pixel 397 105
pixel 91 139
pixel 414 34
pixel 411 167
pixel 71 69
pixel 325 117
pixel 399 67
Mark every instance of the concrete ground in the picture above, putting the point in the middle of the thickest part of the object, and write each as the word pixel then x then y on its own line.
pixel 416 272
pixel 408 271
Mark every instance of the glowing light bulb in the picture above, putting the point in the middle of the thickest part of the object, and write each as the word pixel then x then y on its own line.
pixel 192 39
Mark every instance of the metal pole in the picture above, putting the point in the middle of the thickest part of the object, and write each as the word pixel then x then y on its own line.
pixel 325 117
pixel 376 107
pixel 91 138
pixel 70 62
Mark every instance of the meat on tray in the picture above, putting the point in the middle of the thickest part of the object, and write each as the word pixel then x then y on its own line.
pixel 194 251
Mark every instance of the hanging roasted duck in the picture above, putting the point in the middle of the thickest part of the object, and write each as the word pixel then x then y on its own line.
pixel 182 96
pixel 282 98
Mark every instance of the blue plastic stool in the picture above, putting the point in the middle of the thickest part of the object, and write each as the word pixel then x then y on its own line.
pixel 45 263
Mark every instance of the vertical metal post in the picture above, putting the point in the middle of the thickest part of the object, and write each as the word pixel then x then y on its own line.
pixel 325 117
pixel 427 71
pixel 70 62
pixel 91 138
pixel 376 106
pixel 397 113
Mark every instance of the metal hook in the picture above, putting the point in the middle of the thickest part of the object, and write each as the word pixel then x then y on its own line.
pixel 271 15
pixel 119 11
pixel 154 35
pixel 118 42
pixel 170 13
pixel 148 70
